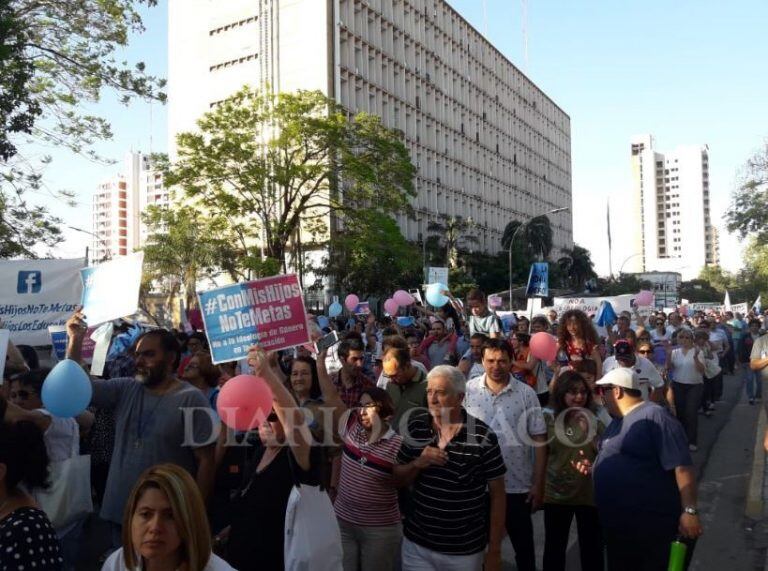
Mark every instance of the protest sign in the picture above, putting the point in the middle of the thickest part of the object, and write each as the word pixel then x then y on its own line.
pixel 363 308
pixel 437 275
pixel 5 337
pixel 590 305
pixel 269 312
pixel 111 290
pixel 59 341
pixel 35 294
pixel 538 280
pixel 739 308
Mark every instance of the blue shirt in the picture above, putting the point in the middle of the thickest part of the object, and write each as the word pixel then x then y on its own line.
pixel 634 473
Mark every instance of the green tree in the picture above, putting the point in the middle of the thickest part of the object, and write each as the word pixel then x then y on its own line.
pixel 56 58
pixel 451 232
pixel 371 257
pixel 577 263
pixel 534 237
pixel 183 246
pixel 288 162
pixel 748 210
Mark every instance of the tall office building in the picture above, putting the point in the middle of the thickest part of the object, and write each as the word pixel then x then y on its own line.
pixel 117 206
pixel 671 226
pixel 487 143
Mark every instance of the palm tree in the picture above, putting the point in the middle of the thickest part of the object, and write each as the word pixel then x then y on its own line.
pixel 451 230
pixel 534 235
pixel 578 265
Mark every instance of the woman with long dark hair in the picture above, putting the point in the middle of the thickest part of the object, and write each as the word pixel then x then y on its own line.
pixel 572 434
pixel 24 463
pixel 577 339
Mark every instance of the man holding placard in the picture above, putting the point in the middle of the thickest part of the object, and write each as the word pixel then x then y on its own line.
pixel 158 419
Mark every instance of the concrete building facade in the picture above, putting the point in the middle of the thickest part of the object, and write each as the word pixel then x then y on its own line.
pixel 117 206
pixel 487 143
pixel 670 211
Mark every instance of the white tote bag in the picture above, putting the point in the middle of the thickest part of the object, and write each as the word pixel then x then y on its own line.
pixel 69 496
pixel 312 537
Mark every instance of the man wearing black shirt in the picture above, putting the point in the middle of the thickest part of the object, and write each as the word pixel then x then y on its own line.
pixel 454 463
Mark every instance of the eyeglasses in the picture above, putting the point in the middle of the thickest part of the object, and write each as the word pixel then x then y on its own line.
pixel 22 394
pixel 367 406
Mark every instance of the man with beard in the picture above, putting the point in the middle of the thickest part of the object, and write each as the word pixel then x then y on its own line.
pixel 158 419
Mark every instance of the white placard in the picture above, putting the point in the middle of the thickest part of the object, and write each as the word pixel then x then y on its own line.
pixel 35 294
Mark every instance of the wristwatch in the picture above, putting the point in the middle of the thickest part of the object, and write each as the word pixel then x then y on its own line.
pixel 690 510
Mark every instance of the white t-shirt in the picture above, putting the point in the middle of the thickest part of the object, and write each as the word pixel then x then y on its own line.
pixel 61 438
pixel 657 337
pixel 719 341
pixel 684 367
pixel 115 562
pixel 383 380
pixel 647 373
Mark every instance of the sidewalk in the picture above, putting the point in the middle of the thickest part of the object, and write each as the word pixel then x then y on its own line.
pixel 730 467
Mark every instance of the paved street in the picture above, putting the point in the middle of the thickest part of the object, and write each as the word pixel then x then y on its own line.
pixel 724 462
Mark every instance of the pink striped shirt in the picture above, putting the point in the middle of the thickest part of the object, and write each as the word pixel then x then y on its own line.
pixel 366 492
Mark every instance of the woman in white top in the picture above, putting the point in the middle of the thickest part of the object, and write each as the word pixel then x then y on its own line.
pixel 686 367
pixel 62 442
pixel 659 333
pixel 165 527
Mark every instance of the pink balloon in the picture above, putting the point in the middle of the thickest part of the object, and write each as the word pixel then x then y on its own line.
pixel 391 306
pixel 244 402
pixel 403 298
pixel 351 302
pixel 644 298
pixel 543 346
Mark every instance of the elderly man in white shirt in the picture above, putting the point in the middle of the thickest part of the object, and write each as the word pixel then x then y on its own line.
pixel 510 407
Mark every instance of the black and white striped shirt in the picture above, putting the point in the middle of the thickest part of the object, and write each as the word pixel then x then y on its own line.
pixel 451 503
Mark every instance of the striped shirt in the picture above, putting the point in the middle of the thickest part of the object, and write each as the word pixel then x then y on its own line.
pixel 366 491
pixel 451 502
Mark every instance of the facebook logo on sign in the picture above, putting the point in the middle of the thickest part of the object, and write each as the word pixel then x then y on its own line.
pixel 29 282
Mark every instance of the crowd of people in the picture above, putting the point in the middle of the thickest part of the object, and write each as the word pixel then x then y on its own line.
pixel 433 437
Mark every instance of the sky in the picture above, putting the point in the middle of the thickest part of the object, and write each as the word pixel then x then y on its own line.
pixel 685 71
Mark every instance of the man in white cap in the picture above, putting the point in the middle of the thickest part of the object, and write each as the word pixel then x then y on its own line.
pixel 645 486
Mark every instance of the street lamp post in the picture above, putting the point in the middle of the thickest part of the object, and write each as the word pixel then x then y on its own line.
pixel 512 241
pixel 101 241
pixel 621 268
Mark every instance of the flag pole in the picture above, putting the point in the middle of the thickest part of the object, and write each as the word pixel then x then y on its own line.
pixel 610 254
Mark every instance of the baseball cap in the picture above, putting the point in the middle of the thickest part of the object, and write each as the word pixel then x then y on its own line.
pixel 624 351
pixel 621 377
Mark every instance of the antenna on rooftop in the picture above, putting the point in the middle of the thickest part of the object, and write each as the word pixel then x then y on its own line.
pixel 485 18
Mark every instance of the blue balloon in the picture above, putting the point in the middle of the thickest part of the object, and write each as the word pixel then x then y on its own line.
pixel 435 295
pixel 322 322
pixel 67 390
pixel 335 309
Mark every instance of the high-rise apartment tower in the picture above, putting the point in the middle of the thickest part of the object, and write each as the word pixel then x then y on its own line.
pixel 671 228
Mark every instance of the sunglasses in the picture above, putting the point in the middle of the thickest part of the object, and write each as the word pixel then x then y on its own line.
pixel 366 406
pixel 602 389
pixel 645 351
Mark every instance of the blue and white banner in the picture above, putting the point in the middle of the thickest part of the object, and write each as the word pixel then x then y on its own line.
pixel 269 311
pixel 538 280
pixel 35 294
pixel 111 289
